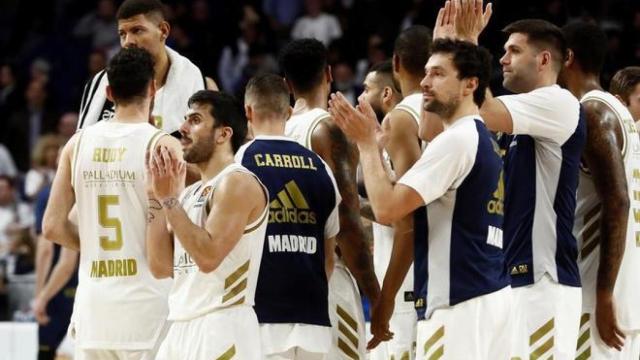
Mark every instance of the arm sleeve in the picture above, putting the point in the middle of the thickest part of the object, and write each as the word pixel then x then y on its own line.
pixel 549 113
pixel 443 166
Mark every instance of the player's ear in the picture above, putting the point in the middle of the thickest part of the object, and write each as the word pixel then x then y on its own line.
pixel 570 58
pixel 387 94
pixel 328 74
pixel 110 93
pixel 396 63
pixel 248 111
pixel 289 112
pixel 545 58
pixel 165 29
pixel 470 86
pixel 152 88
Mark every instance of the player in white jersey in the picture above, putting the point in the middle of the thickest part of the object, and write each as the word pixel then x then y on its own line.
pixel 102 171
pixel 214 242
pixel 605 226
pixel 458 177
pixel 383 93
pixel 625 85
pixel 304 63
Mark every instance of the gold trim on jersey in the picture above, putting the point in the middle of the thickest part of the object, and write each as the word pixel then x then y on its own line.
pixel 342 313
pixel 591 235
pixel 314 124
pixel 235 291
pixel 584 345
pixel 543 330
pixel 264 217
pixel 229 354
pixel 231 279
pixel 619 118
pixel 74 158
pixel 408 109
pixel 154 138
pixel 439 334
pixel 347 350
pixel 350 336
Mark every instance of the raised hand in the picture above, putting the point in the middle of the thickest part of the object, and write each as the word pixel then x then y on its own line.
pixel 444 27
pixel 167 172
pixel 360 125
pixel 470 19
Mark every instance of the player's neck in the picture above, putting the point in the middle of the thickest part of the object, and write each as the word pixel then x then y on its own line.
pixel 219 160
pixel 132 113
pixel 466 108
pixel 161 69
pixel 267 126
pixel 583 84
pixel 313 99
pixel 409 86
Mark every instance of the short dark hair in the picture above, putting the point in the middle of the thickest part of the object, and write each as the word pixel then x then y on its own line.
pixel 269 93
pixel 129 73
pixel 226 111
pixel 412 47
pixel 303 62
pixel 385 70
pixel 588 44
pixel 624 82
pixel 470 61
pixel 543 35
pixel 131 8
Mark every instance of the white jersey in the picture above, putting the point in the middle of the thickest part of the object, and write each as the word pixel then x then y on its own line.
pixel 588 220
pixel 108 177
pixel 233 282
pixel 300 126
pixel 412 104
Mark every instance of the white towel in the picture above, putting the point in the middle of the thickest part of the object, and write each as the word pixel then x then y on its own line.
pixel 170 104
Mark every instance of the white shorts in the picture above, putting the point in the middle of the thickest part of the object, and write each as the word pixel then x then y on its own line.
pixel 546 319
pixel 280 338
pixel 296 353
pixel 403 325
pixel 347 317
pixel 478 329
pixel 590 345
pixel 223 334
pixel 109 354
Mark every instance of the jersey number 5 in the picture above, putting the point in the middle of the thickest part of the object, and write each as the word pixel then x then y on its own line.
pixel 109 222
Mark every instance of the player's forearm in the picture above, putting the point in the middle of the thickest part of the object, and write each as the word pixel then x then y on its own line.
pixel 61 274
pixel 356 254
pixel 44 253
pixel 613 230
pixel 378 185
pixel 194 239
pixel 365 210
pixel 62 232
pixel 159 242
pixel 329 256
pixel 401 257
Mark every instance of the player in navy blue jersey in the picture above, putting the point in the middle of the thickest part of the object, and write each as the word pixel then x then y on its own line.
pixel 297 260
pixel 459 179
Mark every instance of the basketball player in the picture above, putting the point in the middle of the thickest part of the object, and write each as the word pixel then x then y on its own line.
pixel 605 226
pixel 141 23
pixel 541 176
pixel 458 178
pixel 56 286
pixel 297 260
pixel 383 93
pixel 625 85
pixel 304 63
pixel 102 170
pixel 217 232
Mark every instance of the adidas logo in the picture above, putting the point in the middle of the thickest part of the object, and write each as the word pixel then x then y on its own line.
pixel 496 206
pixel 290 206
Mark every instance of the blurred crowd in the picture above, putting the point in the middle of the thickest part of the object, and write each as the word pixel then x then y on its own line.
pixel 50 48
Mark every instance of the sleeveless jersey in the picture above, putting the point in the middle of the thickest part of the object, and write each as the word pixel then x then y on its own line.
pixel 303 212
pixel 300 126
pixel 233 282
pixel 115 282
pixel 588 220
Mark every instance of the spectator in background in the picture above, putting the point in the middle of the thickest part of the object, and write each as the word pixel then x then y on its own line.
pixel 317 24
pixel 39 71
pixel 282 14
pixel 9 91
pixel 344 81
pixel 67 125
pixel 375 55
pixel 43 165
pixel 100 25
pixel 7 166
pixel 13 213
pixel 97 62
pixel 235 57
pixel 25 126
pixel 625 85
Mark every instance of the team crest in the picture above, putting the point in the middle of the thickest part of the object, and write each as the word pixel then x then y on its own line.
pixel 205 192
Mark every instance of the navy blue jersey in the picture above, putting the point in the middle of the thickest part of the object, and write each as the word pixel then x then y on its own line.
pixel 292 284
pixel 541 174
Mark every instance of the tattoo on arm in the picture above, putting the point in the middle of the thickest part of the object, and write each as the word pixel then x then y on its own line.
pixel 155 204
pixel 170 203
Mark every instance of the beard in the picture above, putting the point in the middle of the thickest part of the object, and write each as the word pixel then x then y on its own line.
pixel 443 109
pixel 200 151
